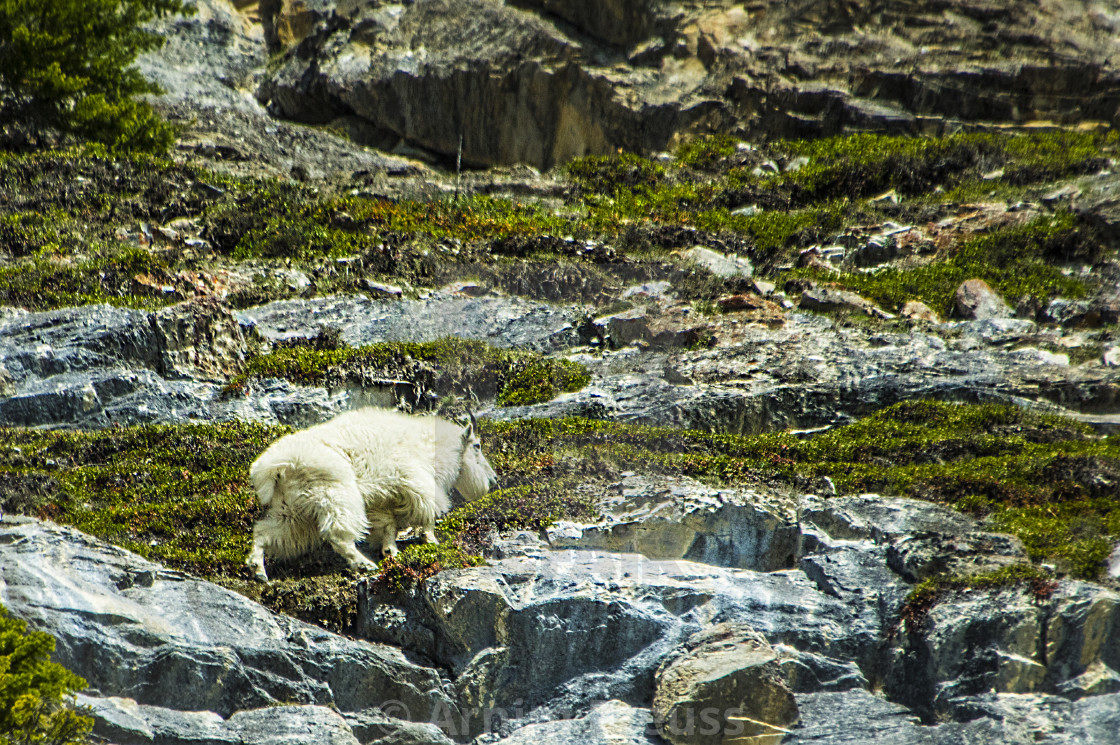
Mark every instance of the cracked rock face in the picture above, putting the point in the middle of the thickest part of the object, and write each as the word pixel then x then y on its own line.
pixel 547 643
pixel 166 653
pixel 543 81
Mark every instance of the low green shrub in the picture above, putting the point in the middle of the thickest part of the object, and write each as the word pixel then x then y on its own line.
pixel 36 695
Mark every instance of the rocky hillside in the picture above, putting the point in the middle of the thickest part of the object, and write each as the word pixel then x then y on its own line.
pixel 793 328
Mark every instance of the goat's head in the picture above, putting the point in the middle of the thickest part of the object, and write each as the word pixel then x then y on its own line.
pixel 476 476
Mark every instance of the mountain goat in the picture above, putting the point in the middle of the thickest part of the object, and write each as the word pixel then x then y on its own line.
pixel 371 471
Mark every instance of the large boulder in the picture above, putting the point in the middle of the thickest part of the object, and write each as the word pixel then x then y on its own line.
pixel 1060 639
pixel 723 683
pixel 543 632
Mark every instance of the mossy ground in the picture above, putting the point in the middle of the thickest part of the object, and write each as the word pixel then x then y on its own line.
pixel 462 367
pixel 178 494
pixel 63 212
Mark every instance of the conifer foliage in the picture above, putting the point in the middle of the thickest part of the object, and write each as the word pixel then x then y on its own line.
pixel 35 692
pixel 67 66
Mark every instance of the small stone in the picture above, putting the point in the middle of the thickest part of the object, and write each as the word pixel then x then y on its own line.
pixel 916 310
pixel 719 264
pixel 650 289
pixel 797 164
pixel 469 289
pixel 764 288
pixel 1111 357
pixel 626 327
pixel 674 376
pixel 7 383
pixel 976 300
pixel 747 211
pixel 831 300
pixel 379 290
pixel 743 301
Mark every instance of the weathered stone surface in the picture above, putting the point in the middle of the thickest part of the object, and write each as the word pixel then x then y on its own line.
pixel 92 365
pixel 610 723
pixel 976 300
pixel 661 328
pixel 922 555
pixel 719 264
pixel 145 636
pixel 810 372
pixel 722 683
pixel 882 519
pixel 288 22
pixel 504 322
pixel 551 629
pixel 209 59
pixel 678 518
pixel 200 340
pixel 123 721
pixel 991 719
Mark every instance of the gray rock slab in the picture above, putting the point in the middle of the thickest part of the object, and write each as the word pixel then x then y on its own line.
pixel 135 630
pixel 811 373
pixel 504 322
pixel 609 723
pixel 882 519
pixel 124 722
pixel 39 345
pixel 679 518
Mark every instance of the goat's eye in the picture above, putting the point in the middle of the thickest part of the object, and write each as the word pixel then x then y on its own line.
pixel 478 446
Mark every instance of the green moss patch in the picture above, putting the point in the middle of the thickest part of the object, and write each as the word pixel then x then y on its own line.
pixel 53 283
pixel 451 365
pixel 1016 261
pixel 865 164
pixel 928 593
pixel 174 494
pixel 635 211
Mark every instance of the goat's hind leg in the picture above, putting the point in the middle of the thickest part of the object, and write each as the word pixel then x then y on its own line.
pixel 342 521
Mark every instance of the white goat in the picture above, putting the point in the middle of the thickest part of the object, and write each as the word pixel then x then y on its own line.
pixel 371 471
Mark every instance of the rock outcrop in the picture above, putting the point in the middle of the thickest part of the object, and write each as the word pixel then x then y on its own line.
pixel 541 82
pixel 547 643
pixel 94 365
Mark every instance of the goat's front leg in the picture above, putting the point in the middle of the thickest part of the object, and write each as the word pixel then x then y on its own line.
pixel 256 555
pixel 383 533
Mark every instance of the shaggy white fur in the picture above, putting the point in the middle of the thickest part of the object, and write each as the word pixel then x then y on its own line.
pixel 372 471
